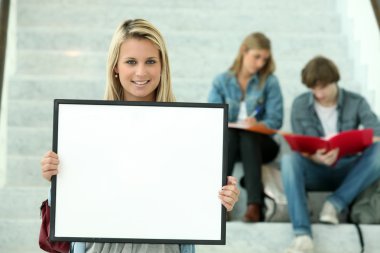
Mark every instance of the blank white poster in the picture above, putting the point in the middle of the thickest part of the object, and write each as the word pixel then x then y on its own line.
pixel 139 172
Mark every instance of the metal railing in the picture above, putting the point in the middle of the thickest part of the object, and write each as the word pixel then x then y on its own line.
pixel 4 14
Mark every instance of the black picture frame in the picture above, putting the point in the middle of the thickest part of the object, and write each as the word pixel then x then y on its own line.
pixel 113 104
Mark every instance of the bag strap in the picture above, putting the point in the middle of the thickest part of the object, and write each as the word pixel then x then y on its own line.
pixel 270 217
pixel 359 230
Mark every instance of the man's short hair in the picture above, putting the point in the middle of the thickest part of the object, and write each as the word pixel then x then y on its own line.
pixel 319 71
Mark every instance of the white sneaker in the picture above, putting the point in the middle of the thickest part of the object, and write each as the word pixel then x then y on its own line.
pixel 329 214
pixel 301 244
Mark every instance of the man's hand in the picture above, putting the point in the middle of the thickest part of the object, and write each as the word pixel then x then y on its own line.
pixel 326 158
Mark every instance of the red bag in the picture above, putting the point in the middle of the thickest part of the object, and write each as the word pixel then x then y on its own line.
pixel 44 240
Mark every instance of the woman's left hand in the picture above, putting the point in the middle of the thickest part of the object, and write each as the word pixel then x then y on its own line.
pixel 229 194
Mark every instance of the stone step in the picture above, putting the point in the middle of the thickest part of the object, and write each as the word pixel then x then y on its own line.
pixel 23 203
pixel 41 87
pixel 18 235
pixel 276 237
pixel 30 113
pixel 35 249
pixel 241 237
pixel 24 171
pixel 178 18
pixel 29 141
pixel 94 64
pixel 293 44
pixel 318 6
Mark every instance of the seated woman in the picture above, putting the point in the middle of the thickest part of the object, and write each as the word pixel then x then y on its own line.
pixel 254 97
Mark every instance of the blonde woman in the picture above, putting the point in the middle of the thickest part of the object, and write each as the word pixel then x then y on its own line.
pixel 254 96
pixel 137 70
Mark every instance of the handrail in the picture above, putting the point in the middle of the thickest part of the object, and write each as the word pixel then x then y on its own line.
pixel 4 14
pixel 376 9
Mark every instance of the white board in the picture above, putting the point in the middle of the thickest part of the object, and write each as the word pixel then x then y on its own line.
pixel 139 172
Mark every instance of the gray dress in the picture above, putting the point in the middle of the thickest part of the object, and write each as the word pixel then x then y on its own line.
pixel 131 248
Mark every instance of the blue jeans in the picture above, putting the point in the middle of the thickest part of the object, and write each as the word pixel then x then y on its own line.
pixel 347 178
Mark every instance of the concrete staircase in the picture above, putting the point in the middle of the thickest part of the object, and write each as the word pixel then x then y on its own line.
pixel 61 53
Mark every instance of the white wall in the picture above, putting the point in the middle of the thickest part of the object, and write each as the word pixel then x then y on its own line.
pixel 10 64
pixel 363 34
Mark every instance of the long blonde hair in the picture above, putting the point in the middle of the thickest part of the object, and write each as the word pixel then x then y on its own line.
pixel 140 29
pixel 255 41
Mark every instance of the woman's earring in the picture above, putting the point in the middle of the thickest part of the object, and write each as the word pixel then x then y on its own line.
pixel 116 75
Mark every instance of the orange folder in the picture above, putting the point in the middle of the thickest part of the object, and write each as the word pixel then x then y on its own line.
pixel 349 142
pixel 258 128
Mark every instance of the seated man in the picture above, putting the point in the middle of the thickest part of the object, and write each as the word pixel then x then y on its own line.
pixel 324 111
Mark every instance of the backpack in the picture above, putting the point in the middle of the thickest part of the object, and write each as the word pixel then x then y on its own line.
pixel 276 208
pixel 366 207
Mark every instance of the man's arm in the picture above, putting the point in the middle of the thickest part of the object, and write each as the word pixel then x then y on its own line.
pixel 368 118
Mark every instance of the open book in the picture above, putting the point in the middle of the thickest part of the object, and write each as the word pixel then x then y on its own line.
pixel 349 142
pixel 258 128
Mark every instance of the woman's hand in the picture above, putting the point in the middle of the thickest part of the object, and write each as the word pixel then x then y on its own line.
pixel 250 121
pixel 49 165
pixel 229 194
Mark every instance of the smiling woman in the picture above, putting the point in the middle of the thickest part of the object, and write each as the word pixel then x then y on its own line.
pixel 138 70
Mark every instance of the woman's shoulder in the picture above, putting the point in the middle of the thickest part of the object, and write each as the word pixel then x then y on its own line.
pixel 272 79
pixel 224 77
pixel 272 82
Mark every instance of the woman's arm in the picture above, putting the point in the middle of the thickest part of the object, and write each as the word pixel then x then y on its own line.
pixel 274 111
pixel 216 94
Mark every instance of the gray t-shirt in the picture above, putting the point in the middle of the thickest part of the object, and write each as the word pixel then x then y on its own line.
pixel 131 248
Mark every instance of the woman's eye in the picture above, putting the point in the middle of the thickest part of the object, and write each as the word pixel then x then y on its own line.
pixel 150 61
pixel 132 62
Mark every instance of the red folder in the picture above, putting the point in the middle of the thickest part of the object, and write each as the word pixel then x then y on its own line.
pixel 349 142
pixel 258 128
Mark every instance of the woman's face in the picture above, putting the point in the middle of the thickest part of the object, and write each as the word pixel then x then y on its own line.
pixel 139 69
pixel 254 60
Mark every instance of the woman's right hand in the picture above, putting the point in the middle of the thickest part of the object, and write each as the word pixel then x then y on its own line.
pixel 250 121
pixel 49 165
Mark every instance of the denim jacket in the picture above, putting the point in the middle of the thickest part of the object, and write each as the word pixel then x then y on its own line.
pixel 353 111
pixel 266 100
pixel 80 247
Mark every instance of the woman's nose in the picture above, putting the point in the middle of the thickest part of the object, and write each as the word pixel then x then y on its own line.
pixel 141 70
